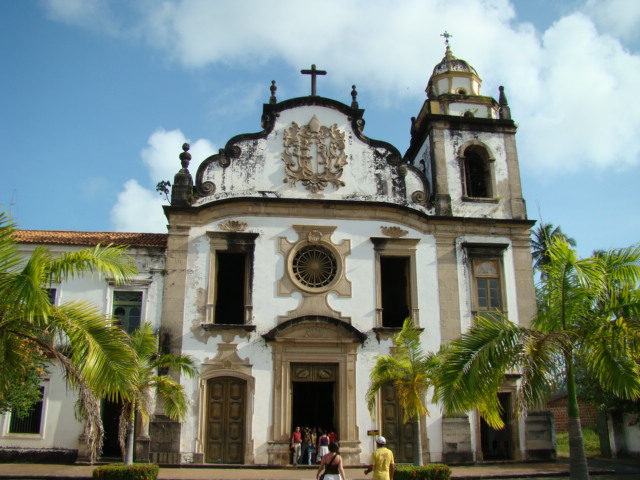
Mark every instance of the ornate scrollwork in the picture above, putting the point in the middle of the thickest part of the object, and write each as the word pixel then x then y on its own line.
pixel 208 188
pixel 233 226
pixel 402 170
pixel 419 197
pixel 233 151
pixel 314 155
pixel 224 161
pixel 394 232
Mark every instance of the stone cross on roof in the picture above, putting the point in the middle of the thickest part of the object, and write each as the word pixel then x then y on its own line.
pixel 446 36
pixel 313 72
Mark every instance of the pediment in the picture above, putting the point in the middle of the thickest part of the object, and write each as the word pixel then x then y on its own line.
pixel 315 330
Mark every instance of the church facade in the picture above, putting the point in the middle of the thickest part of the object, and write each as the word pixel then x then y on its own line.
pixel 294 254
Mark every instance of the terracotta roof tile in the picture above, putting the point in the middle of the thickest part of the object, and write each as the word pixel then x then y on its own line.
pixel 67 237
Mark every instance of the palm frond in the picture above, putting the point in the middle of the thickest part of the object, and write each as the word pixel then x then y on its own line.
pixel 110 261
pixel 472 368
pixel 171 397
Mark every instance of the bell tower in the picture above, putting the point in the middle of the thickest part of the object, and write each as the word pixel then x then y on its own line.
pixel 464 143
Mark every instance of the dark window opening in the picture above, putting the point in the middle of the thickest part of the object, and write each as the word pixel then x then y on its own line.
pixel 51 295
pixel 31 421
pixel 127 309
pixel 476 176
pixel 394 281
pixel 230 288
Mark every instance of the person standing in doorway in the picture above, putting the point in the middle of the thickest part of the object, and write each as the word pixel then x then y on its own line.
pixel 307 446
pixel 323 445
pixel 382 462
pixel 296 444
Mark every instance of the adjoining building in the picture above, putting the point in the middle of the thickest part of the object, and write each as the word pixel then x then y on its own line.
pixel 295 253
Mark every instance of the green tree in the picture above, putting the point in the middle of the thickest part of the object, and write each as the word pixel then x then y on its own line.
pixel 583 314
pixel 74 336
pixel 541 240
pixel 145 382
pixel 412 372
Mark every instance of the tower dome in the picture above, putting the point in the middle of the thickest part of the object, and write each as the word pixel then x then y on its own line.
pixel 453 76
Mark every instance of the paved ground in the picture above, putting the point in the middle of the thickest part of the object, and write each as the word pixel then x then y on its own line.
pixel 601 469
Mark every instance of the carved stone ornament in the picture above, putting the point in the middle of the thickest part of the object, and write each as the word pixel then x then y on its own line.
pixel 314 155
pixel 233 226
pixel 394 232
pixel 314 236
pixel 419 197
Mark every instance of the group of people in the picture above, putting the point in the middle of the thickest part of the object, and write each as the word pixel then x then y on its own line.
pixel 309 445
pixel 328 452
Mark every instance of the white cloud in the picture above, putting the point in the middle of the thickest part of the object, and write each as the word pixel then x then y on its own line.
pixel 620 18
pixel 568 86
pixel 161 155
pixel 139 209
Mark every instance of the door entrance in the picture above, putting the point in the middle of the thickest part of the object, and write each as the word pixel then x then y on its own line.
pixel 110 422
pixel 314 396
pixel 314 405
pixel 226 406
pixel 399 435
pixel 498 444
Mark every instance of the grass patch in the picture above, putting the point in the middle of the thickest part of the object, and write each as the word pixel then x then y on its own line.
pixel 591 443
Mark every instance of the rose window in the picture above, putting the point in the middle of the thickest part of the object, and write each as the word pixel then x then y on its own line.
pixel 314 266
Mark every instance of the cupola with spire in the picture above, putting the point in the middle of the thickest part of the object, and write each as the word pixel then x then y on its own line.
pixel 454 89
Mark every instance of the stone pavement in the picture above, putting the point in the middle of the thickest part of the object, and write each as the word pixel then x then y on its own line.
pixel 628 469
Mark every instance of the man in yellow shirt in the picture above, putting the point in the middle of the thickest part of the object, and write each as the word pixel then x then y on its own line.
pixel 382 462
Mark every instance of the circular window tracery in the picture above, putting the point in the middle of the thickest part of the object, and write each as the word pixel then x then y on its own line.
pixel 314 266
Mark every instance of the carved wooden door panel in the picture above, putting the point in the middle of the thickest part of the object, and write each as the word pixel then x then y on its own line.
pixel 226 405
pixel 399 435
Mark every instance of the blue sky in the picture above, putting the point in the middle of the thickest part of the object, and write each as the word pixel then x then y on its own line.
pixel 98 96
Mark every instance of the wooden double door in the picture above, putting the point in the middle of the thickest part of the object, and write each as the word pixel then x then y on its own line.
pixel 399 435
pixel 226 424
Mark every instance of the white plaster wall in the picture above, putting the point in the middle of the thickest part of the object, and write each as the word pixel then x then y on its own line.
pixel 631 434
pixel 269 267
pixel 59 428
pixel 495 144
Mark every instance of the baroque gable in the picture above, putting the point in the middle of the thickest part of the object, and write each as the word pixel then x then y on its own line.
pixel 310 148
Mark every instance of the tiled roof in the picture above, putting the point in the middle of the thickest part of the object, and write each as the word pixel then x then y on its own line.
pixel 67 237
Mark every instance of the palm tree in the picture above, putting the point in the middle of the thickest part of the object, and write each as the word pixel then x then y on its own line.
pixel 146 381
pixel 412 372
pixel 92 353
pixel 541 240
pixel 584 314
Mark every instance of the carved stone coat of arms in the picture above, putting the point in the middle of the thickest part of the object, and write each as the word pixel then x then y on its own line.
pixel 314 155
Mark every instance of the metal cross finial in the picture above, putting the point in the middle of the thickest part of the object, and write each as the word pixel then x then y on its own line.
pixel 446 36
pixel 313 72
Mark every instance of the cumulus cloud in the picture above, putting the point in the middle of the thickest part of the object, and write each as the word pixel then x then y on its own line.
pixel 568 86
pixel 138 208
pixel 620 18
